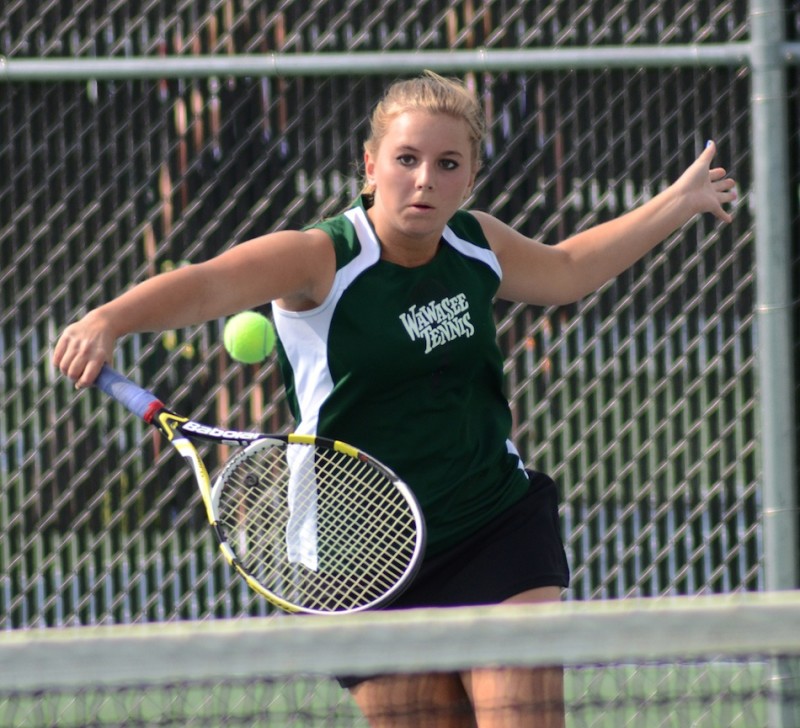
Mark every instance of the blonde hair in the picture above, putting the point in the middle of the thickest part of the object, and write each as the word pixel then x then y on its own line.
pixel 431 93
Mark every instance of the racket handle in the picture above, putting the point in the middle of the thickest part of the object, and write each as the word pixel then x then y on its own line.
pixel 131 395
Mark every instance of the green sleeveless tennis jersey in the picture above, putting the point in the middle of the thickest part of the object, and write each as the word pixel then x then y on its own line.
pixel 403 363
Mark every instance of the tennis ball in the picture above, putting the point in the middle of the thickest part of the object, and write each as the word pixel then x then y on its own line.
pixel 249 337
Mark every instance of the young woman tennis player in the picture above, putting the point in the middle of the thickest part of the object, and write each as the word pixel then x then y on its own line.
pixel 387 341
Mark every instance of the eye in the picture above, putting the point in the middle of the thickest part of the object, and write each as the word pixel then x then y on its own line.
pixel 449 164
pixel 406 159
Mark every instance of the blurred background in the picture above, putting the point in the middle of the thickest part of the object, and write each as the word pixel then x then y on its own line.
pixel 642 400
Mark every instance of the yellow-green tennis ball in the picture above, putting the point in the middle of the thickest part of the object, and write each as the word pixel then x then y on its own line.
pixel 249 337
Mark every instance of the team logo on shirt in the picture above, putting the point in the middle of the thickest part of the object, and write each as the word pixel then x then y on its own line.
pixel 438 322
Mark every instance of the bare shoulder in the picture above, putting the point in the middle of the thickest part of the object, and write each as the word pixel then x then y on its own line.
pixel 529 267
pixel 502 238
pixel 316 241
pixel 315 254
pixel 294 266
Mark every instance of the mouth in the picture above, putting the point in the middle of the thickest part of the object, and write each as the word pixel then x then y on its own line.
pixel 420 206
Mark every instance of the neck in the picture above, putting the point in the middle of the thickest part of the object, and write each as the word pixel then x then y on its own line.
pixel 404 250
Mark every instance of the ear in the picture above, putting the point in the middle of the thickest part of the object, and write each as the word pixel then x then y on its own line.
pixel 369 167
pixel 471 184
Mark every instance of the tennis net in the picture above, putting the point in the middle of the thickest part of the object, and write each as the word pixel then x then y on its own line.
pixel 703 661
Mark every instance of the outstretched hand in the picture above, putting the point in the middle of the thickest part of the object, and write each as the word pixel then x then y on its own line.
pixel 708 188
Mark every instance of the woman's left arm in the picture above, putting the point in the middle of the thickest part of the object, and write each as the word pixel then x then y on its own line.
pixel 557 274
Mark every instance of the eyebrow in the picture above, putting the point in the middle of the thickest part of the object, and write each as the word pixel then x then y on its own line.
pixel 447 153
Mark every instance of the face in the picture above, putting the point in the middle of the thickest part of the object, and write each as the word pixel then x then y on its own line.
pixel 422 171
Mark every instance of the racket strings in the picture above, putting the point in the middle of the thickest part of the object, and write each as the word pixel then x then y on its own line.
pixel 364 531
pixel 365 513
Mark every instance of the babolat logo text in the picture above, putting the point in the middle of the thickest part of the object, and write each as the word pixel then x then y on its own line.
pixel 199 429
pixel 438 322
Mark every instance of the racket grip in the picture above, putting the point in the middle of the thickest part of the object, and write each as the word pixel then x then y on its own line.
pixel 127 393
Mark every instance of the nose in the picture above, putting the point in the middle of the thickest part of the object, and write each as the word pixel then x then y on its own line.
pixel 424 177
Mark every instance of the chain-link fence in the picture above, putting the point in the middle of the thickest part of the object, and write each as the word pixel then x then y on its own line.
pixel 641 400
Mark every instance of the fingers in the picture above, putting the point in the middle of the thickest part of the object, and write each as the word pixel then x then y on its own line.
pixel 725 190
pixel 726 186
pixel 71 361
pixel 79 355
pixel 720 181
pixel 722 214
pixel 725 193
pixel 717 173
pixel 81 369
pixel 59 351
pixel 90 373
pixel 723 187
pixel 708 153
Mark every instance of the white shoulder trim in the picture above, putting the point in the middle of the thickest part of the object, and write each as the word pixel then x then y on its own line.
pixel 370 246
pixel 304 334
pixel 465 247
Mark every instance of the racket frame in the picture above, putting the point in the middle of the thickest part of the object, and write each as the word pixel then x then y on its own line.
pixel 179 429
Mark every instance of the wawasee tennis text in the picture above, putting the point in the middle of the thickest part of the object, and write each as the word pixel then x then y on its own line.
pixel 438 322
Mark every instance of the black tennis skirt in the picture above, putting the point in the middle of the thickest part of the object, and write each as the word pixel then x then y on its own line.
pixel 519 550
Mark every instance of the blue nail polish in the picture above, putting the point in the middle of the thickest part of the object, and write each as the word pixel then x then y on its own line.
pixel 708 143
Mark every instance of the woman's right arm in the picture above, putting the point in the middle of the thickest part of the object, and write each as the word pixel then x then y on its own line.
pixel 292 265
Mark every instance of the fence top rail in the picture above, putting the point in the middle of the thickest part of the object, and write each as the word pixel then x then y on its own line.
pixel 14 69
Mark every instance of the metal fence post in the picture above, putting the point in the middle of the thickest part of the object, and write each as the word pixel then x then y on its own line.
pixel 774 321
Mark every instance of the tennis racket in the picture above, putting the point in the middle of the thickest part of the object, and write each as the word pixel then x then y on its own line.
pixel 312 524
